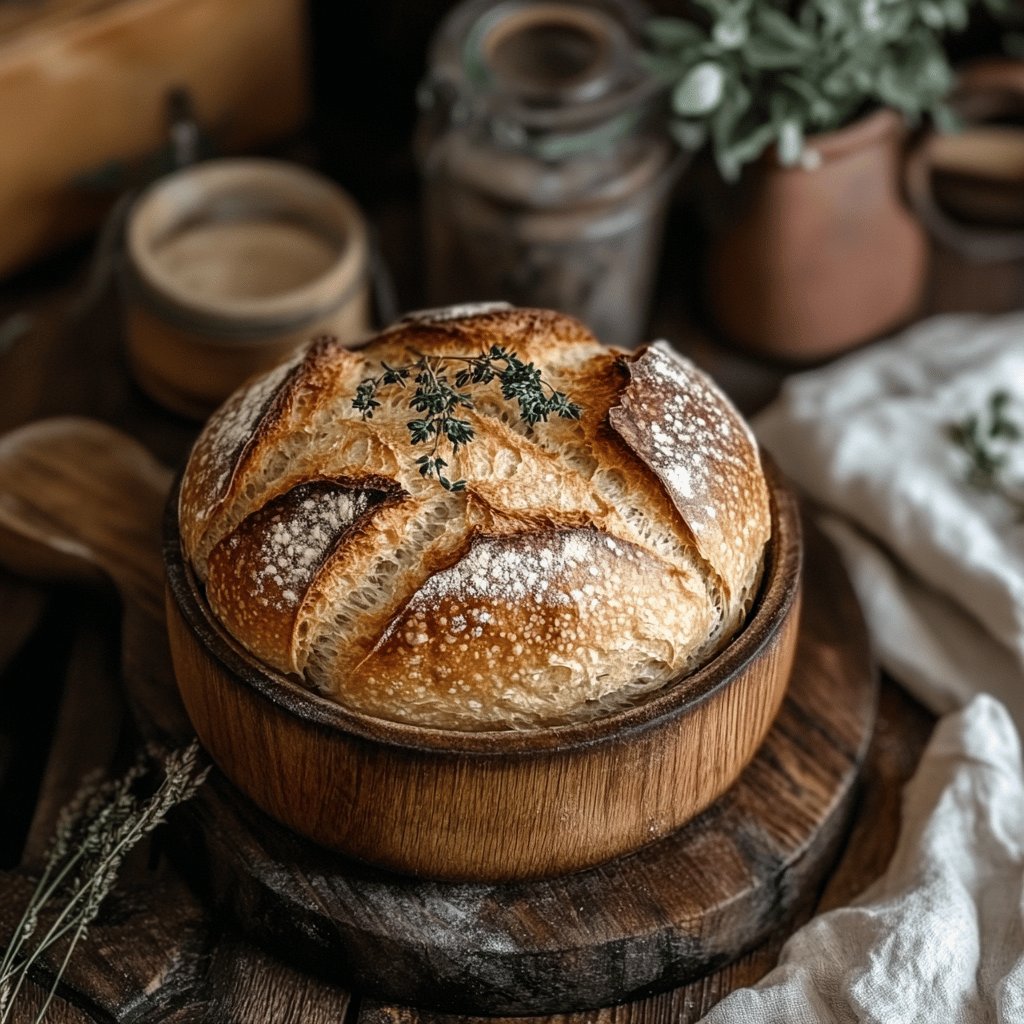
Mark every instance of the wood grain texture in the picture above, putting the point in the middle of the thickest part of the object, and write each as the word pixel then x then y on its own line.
pixel 679 909
pixel 674 911
pixel 245 984
pixel 684 1005
pixel 494 806
pixel 88 724
pixel 59 1011
pixel 82 500
pixel 902 728
pixel 116 966
pixel 155 957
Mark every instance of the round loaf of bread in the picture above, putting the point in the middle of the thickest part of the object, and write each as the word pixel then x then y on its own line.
pixel 584 564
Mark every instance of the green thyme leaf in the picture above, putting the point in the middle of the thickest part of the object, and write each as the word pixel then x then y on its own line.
pixel 437 398
pixel 841 57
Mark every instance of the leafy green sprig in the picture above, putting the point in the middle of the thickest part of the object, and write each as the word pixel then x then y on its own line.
pixel 986 438
pixel 93 835
pixel 748 75
pixel 439 399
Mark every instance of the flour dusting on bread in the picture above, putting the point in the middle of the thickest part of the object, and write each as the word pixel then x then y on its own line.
pixel 586 564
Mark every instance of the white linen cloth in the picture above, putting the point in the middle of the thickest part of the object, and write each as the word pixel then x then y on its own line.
pixel 939 938
pixel 939 569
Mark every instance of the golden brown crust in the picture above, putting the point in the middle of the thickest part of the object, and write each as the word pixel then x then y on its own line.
pixel 263 576
pixel 681 426
pixel 229 462
pixel 600 557
pixel 502 632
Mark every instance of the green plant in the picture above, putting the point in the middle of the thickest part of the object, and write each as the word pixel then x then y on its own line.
pixel 747 75
pixel 437 399
pixel 93 835
pixel 988 439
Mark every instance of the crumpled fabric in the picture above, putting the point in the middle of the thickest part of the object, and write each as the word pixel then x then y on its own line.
pixel 938 565
pixel 939 938
pixel 868 439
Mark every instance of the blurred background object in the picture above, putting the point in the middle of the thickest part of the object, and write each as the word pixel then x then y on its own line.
pixel 347 82
pixel 804 108
pixel 805 263
pixel 84 89
pixel 968 185
pixel 547 161
pixel 229 267
pixel 967 188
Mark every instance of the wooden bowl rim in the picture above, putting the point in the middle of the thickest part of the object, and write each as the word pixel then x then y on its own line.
pixel 772 606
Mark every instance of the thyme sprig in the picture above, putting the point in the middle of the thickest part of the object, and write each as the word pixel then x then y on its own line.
pixel 986 438
pixel 94 833
pixel 439 399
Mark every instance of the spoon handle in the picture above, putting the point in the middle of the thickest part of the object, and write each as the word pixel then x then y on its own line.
pixel 81 500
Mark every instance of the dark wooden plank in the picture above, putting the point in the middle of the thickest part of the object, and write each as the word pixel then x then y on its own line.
pixel 146 948
pixel 32 999
pixel 246 984
pixel 88 723
pixel 153 955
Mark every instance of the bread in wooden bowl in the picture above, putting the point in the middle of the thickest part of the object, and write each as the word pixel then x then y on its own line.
pixel 594 633
pixel 585 562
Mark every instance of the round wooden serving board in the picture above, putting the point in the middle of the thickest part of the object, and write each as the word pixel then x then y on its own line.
pixel 666 915
pixel 675 911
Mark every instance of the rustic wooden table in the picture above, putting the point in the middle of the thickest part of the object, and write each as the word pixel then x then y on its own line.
pixel 157 954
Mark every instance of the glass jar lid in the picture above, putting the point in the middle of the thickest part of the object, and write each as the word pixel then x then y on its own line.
pixel 552 78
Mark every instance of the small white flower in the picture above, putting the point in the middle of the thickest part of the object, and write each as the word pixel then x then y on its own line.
pixel 870 15
pixel 700 91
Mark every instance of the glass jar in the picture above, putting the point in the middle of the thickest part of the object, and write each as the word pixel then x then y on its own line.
pixel 546 161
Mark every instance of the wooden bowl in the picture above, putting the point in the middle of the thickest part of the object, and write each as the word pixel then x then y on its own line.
pixel 487 806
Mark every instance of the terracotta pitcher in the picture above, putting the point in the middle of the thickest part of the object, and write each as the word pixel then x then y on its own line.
pixel 816 261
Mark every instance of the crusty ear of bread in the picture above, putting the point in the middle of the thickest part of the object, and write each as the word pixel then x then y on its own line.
pixel 586 563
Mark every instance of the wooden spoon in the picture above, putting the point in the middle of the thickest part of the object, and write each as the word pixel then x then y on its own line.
pixel 79 499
